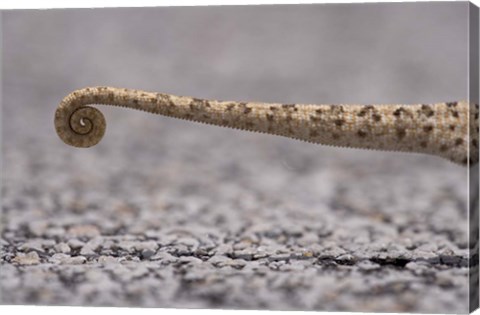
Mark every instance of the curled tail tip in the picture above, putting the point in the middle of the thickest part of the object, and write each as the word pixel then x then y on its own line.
pixel 82 127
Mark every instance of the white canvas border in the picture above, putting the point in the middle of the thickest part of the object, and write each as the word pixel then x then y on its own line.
pixel 50 4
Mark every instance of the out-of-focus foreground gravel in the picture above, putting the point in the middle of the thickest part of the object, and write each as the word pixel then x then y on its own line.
pixel 166 213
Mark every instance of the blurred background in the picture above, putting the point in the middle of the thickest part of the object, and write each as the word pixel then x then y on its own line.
pixel 169 213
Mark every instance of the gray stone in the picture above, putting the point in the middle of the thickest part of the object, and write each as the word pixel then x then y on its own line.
pixel 107 260
pixel 189 260
pixel 87 250
pixel 164 258
pixel 147 253
pixel 75 243
pixel 64 259
pixel 246 254
pixel 219 261
pixel 62 248
pixel 36 245
pixel 236 263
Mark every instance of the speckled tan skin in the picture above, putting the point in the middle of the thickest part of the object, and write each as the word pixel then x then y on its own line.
pixel 440 129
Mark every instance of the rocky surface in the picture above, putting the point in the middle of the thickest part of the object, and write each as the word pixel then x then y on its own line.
pixel 166 213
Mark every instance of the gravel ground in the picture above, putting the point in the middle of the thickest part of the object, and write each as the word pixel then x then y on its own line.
pixel 167 213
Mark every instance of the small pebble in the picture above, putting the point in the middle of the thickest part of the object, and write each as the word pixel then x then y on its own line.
pixel 189 260
pixel 148 245
pixel 58 258
pixel 107 260
pixel 87 250
pixel 237 263
pixel 188 241
pixel 219 261
pixel 147 253
pixel 64 259
pixel 30 258
pixel 36 245
pixel 62 248
pixel 246 254
pixel 75 243
pixel 164 258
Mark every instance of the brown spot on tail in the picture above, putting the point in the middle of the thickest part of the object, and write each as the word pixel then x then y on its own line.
pixel 426 110
pixel 428 128
pixel 361 134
